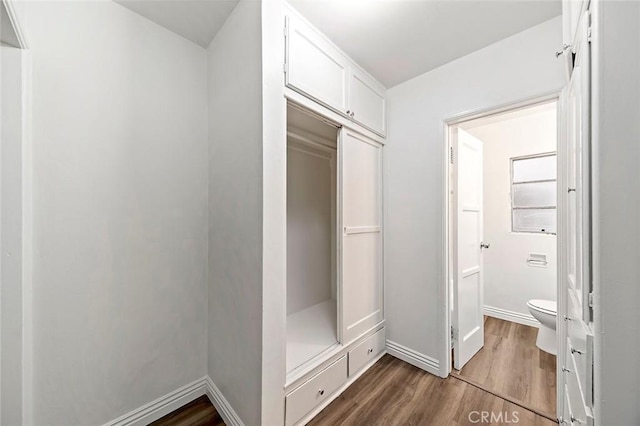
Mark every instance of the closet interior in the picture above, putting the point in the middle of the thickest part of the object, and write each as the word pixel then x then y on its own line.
pixel 312 254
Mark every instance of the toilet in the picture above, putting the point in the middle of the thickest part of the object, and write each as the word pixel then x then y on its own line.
pixel 545 312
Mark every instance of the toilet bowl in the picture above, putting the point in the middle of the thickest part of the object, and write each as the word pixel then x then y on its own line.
pixel 545 312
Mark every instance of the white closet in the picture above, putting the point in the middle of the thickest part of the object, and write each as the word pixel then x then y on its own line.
pixel 312 324
pixel 334 259
pixel 336 121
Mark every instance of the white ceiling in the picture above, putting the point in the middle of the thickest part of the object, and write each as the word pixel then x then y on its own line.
pixel 195 20
pixel 7 33
pixel 396 40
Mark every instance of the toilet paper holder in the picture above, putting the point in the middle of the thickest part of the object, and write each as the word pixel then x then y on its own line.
pixel 537 260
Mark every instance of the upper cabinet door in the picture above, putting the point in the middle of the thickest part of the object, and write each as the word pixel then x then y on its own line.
pixel 361 289
pixel 367 104
pixel 315 67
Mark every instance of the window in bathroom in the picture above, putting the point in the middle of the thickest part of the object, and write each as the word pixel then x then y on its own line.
pixel 534 194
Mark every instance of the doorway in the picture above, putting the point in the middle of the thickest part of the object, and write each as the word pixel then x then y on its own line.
pixel 502 251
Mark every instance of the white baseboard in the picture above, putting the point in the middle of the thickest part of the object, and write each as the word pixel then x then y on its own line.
pixel 517 317
pixel 414 358
pixel 164 405
pixel 223 407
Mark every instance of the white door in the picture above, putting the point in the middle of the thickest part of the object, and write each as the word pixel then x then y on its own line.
pixel 367 101
pixel 314 67
pixel 576 367
pixel 361 289
pixel 467 236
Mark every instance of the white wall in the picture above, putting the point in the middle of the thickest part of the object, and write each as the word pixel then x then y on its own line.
pixel 520 66
pixel 509 281
pixel 120 211
pixel 11 106
pixel 616 200
pixel 235 211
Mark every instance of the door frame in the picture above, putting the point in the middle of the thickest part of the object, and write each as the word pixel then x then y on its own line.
pixel 448 124
pixel 22 295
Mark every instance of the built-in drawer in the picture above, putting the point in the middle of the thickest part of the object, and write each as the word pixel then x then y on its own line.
pixel 580 345
pixel 314 391
pixel 366 351
pixel 575 394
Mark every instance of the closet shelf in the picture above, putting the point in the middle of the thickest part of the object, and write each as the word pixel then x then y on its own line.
pixel 310 332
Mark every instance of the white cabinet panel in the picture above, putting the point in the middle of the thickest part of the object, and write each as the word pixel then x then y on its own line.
pixel 367 101
pixel 315 67
pixel 362 294
pixel 314 391
pixel 361 165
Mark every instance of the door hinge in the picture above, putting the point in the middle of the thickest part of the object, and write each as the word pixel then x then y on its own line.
pixel 590 300
pixel 451 154
pixel 454 334
pixel 589 35
pixel 284 67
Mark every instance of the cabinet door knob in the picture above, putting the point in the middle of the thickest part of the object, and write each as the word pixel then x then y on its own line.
pixel 370 350
pixel 571 190
pixel 349 112
pixel 321 391
pixel 576 351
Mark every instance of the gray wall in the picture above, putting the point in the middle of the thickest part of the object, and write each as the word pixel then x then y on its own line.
pixel 120 211
pixel 616 217
pixel 235 211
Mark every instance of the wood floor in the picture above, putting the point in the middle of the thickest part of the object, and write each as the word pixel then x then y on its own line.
pixel 392 393
pixel 511 364
pixel 196 413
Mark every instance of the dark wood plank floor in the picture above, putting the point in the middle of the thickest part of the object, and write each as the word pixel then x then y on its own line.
pixel 199 412
pixel 511 364
pixel 390 393
pixel 393 392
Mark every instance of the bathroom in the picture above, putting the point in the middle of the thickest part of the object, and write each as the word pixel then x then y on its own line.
pixel 515 308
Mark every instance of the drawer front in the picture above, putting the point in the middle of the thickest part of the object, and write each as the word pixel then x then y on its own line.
pixel 366 351
pixel 575 395
pixel 583 362
pixel 314 391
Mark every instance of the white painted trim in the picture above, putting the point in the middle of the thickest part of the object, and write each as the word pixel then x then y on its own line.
pixel 350 230
pixel 27 242
pixel 17 28
pixel 424 362
pixel 330 115
pixel 306 419
pixel 223 407
pixel 162 406
pixel 517 317
pixel 170 402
